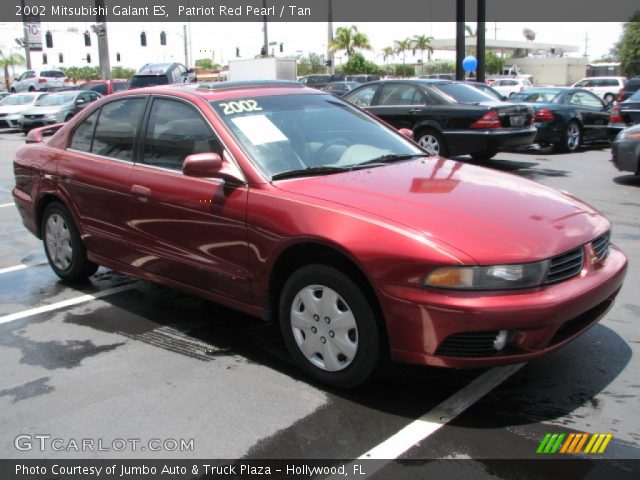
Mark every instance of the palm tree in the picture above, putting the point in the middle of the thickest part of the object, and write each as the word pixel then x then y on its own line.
pixel 386 53
pixel 401 47
pixel 470 31
pixel 10 60
pixel 348 39
pixel 422 43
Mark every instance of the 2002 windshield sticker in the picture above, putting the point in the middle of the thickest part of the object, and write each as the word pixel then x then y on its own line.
pixel 242 106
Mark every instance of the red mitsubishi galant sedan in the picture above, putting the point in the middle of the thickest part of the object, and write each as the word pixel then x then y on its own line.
pixel 291 204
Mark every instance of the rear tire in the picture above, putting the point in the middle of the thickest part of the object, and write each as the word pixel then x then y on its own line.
pixel 572 138
pixel 68 117
pixel 65 250
pixel 431 140
pixel 483 156
pixel 32 88
pixel 330 327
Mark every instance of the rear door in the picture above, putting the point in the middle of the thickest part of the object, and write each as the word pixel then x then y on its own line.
pixel 400 104
pixel 593 114
pixel 95 173
pixel 189 230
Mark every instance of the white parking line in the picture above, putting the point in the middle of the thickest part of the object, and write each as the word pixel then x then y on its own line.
pixel 432 421
pixel 13 269
pixel 7 204
pixel 64 303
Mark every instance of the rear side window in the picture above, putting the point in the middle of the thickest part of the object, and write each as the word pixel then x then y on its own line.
pixel 52 74
pixel 81 139
pixel 119 86
pixel 393 94
pixel 117 128
pixel 174 131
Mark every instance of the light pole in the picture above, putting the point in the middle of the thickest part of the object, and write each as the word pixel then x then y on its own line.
pixel 265 47
pixel 103 42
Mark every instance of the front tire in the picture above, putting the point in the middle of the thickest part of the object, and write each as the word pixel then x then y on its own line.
pixel 65 250
pixel 329 326
pixel 609 98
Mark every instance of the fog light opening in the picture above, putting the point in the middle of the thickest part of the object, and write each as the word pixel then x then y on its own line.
pixel 501 340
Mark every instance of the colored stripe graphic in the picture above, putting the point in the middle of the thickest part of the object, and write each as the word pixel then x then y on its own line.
pixel 573 443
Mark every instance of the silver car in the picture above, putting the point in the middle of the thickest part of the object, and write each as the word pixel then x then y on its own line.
pixel 38 81
pixel 55 108
pixel 12 106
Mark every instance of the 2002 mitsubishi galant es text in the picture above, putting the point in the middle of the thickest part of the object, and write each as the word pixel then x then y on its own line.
pixel 291 204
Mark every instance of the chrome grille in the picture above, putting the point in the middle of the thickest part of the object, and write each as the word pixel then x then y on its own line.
pixel 565 266
pixel 601 246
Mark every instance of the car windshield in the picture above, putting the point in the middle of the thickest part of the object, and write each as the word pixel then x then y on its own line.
pixel 61 99
pixel 101 88
pixel 314 133
pixel 462 93
pixel 18 100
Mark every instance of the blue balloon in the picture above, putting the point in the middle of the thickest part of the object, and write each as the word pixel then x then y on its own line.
pixel 469 64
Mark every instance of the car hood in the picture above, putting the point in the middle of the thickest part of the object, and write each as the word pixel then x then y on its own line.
pixel 14 108
pixel 493 217
pixel 45 109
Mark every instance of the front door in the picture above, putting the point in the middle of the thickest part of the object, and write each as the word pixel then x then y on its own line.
pixel 189 230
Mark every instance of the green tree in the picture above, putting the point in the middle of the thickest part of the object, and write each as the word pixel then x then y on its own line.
pixel 627 50
pixel 313 63
pixel 349 39
pixel 207 64
pixel 358 64
pixel 10 60
pixel 404 70
pixel 440 66
pixel 122 73
pixel 471 33
pixel 493 63
pixel 401 48
pixel 422 43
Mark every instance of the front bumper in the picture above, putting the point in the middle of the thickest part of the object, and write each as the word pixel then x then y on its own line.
pixel 28 123
pixel 463 142
pixel 625 155
pixel 539 320
pixel 10 121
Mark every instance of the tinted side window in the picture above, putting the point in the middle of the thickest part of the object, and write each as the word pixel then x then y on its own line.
pixel 400 95
pixel 117 128
pixel 362 97
pixel 81 139
pixel 174 131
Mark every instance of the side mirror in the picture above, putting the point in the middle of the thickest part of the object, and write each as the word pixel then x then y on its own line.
pixel 405 132
pixel 210 165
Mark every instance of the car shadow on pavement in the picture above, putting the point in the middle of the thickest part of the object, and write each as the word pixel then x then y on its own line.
pixel 568 384
pixel 628 180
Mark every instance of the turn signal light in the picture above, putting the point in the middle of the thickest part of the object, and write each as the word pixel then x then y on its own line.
pixel 543 115
pixel 490 119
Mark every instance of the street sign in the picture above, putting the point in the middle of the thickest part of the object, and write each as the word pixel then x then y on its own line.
pixel 34 33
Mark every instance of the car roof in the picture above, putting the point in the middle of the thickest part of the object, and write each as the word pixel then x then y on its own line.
pixel 214 91
pixel 155 68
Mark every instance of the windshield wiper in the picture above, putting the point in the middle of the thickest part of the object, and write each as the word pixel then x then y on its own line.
pixel 391 158
pixel 309 171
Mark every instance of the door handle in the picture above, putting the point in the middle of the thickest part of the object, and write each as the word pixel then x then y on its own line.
pixel 415 110
pixel 141 192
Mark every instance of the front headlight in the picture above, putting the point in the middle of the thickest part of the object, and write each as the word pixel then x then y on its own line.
pixel 495 277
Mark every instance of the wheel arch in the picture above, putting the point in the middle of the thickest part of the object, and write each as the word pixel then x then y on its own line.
pixel 310 252
pixel 43 202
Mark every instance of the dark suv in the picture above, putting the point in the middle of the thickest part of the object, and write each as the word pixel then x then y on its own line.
pixel 629 89
pixel 162 74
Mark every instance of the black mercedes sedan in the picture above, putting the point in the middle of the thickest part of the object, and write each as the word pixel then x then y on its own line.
pixel 566 117
pixel 448 118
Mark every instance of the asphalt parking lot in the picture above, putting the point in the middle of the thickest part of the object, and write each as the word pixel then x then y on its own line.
pixel 121 358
